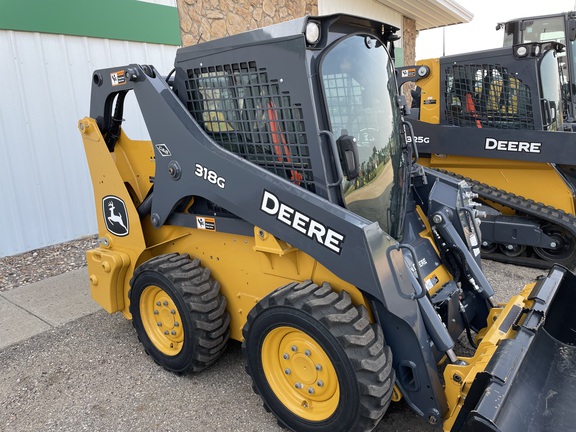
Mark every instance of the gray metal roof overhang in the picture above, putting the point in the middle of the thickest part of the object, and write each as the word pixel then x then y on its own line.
pixel 431 13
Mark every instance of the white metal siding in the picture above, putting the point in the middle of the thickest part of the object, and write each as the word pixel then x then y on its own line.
pixel 45 188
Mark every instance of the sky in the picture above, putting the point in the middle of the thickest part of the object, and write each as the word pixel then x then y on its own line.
pixel 481 32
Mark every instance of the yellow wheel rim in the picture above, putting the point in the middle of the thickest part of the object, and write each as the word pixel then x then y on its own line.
pixel 300 373
pixel 161 320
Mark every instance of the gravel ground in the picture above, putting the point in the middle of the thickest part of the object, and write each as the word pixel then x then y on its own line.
pixel 507 279
pixel 43 263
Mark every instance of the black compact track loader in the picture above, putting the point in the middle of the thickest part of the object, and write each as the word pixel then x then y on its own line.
pixel 278 204
pixel 495 118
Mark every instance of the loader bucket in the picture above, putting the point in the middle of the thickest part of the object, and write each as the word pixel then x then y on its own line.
pixel 529 385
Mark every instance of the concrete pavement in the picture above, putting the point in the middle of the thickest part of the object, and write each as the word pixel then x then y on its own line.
pixel 32 309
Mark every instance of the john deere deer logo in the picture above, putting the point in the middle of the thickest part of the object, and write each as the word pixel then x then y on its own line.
pixel 115 215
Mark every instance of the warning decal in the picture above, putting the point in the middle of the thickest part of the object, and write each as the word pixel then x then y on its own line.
pixel 163 150
pixel 408 73
pixel 206 223
pixel 118 78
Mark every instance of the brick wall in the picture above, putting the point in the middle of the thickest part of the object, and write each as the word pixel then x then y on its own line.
pixel 409 40
pixel 204 20
pixel 409 44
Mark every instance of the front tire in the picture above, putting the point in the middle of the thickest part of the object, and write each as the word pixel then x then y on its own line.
pixel 178 313
pixel 316 360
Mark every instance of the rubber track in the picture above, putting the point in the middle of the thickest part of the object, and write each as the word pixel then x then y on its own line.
pixel 535 210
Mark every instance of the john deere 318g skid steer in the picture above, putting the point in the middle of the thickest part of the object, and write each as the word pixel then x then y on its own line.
pixel 278 204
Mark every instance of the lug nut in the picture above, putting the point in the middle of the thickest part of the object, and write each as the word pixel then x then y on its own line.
pixel 165 332
pixel 165 303
pixel 176 324
pixel 318 367
pixel 298 385
pixel 287 371
pixel 307 353
pixel 553 245
pixel 155 312
pixel 320 383
pixel 310 390
pixel 172 311
pixel 285 356
pixel 294 348
pixel 158 304
pixel 173 333
pixel 159 324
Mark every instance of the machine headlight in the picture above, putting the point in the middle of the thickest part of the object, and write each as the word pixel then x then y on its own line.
pixel 312 32
pixel 521 51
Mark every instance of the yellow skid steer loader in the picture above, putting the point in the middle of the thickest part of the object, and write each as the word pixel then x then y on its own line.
pixel 277 204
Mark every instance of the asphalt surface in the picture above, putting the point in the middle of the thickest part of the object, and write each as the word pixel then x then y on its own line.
pixel 83 369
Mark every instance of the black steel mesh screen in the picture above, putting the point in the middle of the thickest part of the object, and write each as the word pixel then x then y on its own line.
pixel 247 114
pixel 487 96
pixel 352 112
pixel 344 100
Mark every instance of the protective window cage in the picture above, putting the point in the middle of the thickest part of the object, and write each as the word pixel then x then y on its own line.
pixel 246 113
pixel 344 99
pixel 487 96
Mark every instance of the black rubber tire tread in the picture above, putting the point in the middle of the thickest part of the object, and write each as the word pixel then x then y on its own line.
pixel 209 320
pixel 362 341
pixel 546 214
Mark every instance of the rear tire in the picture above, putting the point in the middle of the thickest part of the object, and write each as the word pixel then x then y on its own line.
pixel 178 313
pixel 316 360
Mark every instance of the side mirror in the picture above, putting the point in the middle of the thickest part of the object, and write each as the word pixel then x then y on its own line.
pixel 549 112
pixel 348 152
